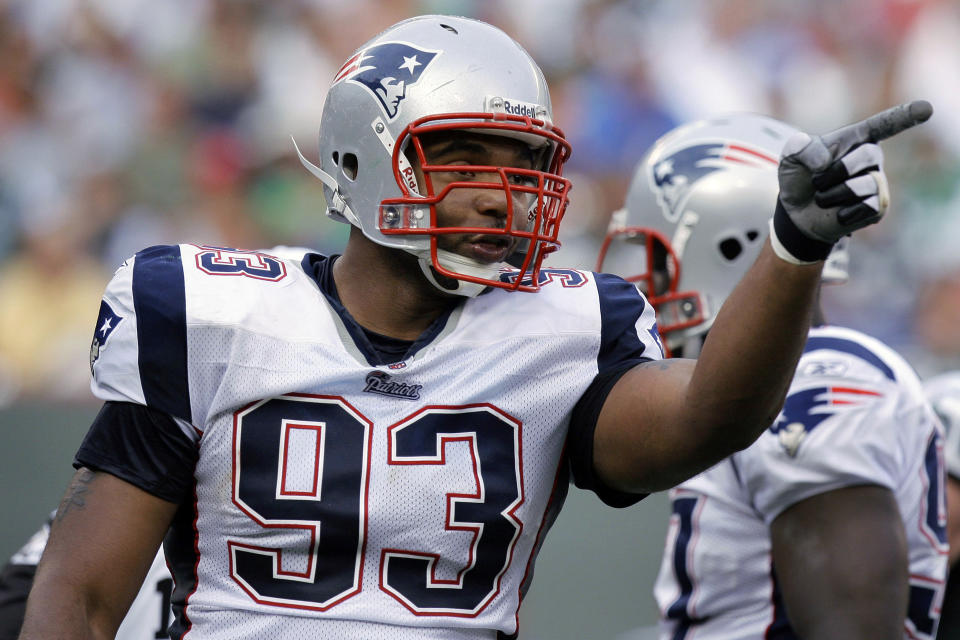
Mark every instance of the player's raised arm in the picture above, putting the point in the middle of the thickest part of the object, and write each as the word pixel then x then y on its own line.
pixel 665 421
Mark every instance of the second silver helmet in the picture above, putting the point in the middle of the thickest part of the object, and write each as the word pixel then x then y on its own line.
pixel 696 217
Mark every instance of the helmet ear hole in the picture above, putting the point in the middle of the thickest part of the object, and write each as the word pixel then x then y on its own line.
pixel 335 156
pixel 731 248
pixel 350 166
pixel 752 235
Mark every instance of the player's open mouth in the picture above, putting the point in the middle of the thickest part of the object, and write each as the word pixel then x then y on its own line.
pixel 487 248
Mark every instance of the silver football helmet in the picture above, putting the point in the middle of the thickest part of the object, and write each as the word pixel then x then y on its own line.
pixel 696 218
pixel 431 74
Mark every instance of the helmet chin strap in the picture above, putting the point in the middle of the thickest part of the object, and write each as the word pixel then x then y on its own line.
pixel 458 264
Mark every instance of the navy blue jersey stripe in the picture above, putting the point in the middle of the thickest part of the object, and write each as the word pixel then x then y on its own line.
pixel 852 348
pixel 780 627
pixel 183 558
pixel 620 308
pixel 160 303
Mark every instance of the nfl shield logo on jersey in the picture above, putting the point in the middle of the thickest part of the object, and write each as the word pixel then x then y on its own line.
pixel 107 321
pixel 386 70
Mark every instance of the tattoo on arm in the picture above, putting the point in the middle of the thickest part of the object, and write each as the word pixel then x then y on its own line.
pixel 77 492
pixel 661 365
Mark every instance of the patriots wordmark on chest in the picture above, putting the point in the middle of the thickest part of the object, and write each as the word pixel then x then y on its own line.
pixel 383 384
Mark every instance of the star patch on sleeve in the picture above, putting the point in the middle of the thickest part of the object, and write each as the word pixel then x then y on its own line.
pixel 107 321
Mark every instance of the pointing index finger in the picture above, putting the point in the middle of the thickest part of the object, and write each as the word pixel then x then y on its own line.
pixel 880 126
pixel 896 119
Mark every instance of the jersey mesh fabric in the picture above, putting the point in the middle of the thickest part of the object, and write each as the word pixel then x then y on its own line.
pixel 864 421
pixel 398 465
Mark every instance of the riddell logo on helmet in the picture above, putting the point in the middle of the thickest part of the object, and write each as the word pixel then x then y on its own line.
pixel 520 109
pixel 411 179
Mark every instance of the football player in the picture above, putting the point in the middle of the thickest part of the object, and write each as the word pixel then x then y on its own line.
pixel 149 614
pixel 373 445
pixel 831 525
pixel 943 391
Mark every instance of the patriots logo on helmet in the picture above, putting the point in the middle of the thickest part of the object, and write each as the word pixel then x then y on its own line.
pixel 805 410
pixel 107 322
pixel 386 70
pixel 673 176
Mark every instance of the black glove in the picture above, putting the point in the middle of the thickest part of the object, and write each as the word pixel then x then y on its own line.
pixel 834 184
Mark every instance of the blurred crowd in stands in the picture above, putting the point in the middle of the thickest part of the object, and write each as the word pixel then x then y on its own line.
pixel 127 123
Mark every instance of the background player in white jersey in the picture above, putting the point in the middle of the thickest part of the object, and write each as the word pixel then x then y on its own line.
pixel 943 391
pixel 374 445
pixel 147 619
pixel 831 525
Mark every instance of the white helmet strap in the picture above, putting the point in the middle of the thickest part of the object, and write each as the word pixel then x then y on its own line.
pixel 406 169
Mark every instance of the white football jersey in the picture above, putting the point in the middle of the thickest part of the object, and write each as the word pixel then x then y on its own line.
pixel 148 616
pixel 855 414
pixel 943 391
pixel 339 499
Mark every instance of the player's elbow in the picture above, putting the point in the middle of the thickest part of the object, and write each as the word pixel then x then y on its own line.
pixel 731 422
pixel 725 435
